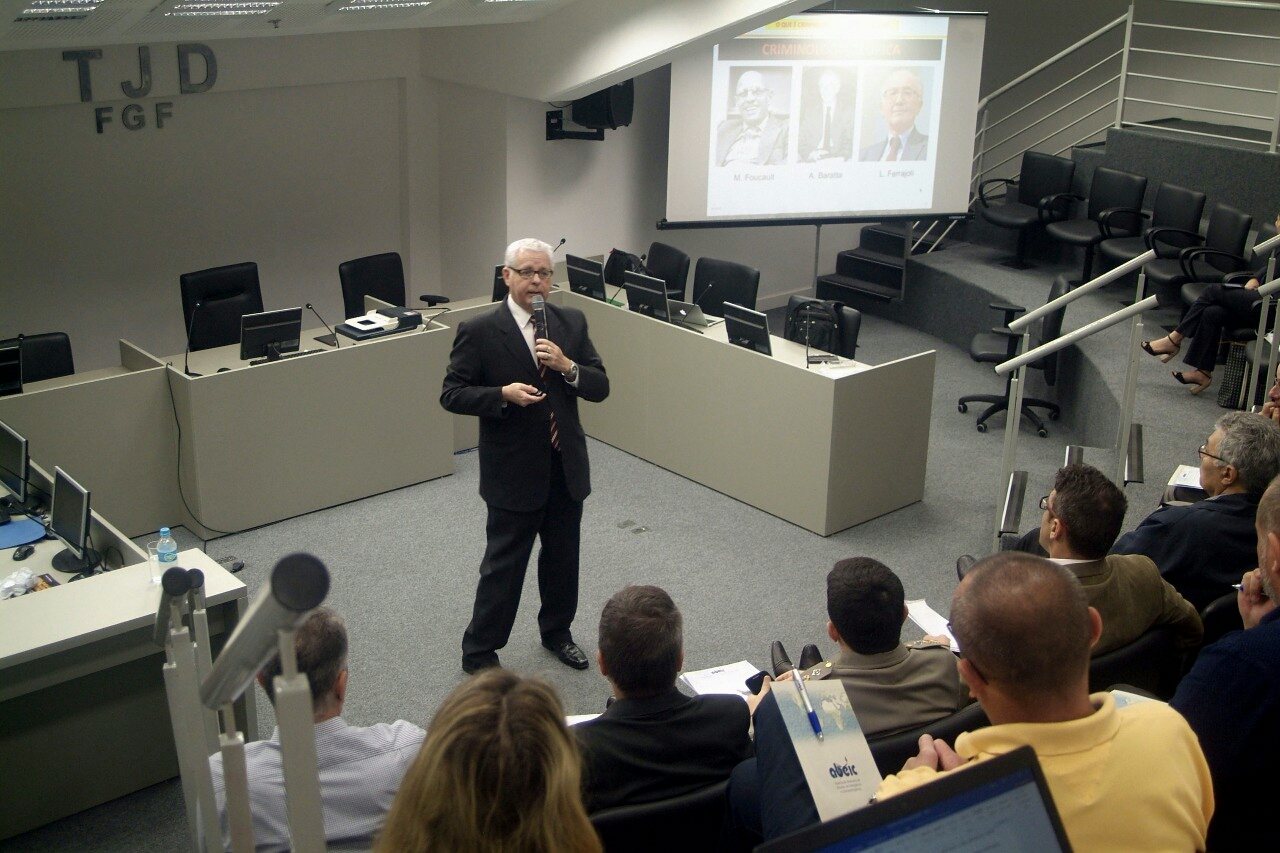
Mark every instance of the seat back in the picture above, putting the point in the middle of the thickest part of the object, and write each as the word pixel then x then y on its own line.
pixel 1114 188
pixel 43 356
pixel 1228 232
pixel 1220 617
pixel 716 282
pixel 225 295
pixel 891 751
pixel 1177 207
pixel 380 276
pixel 850 326
pixel 669 264
pixel 1258 261
pixel 1051 328
pixel 688 822
pixel 1152 662
pixel 1042 175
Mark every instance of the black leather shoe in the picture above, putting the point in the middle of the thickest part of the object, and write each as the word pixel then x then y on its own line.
pixel 963 563
pixel 569 654
pixel 473 665
pixel 809 657
pixel 778 657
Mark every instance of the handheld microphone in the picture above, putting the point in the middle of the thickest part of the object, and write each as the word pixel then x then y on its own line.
pixel 539 316
pixel 175 583
pixel 329 340
pixel 186 355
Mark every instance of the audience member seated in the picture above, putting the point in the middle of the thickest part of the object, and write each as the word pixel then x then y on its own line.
pixel 1271 408
pixel 892 687
pixel 1231 697
pixel 653 742
pixel 1123 779
pixel 1221 306
pixel 360 768
pixel 1203 548
pixel 1082 516
pixel 498 772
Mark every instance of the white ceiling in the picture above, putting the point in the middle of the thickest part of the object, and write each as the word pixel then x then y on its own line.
pixel 132 21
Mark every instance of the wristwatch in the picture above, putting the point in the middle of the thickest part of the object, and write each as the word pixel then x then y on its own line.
pixel 572 375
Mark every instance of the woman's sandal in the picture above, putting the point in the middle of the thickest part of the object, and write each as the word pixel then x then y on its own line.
pixel 1165 357
pixel 1199 386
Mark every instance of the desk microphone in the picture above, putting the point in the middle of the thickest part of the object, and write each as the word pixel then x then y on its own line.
pixel 186 355
pixel 175 583
pixel 563 240
pixel 426 321
pixel 697 300
pixel 330 339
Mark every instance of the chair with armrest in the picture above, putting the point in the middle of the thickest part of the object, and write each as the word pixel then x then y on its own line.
pixel 1219 617
pixel 1257 267
pixel 669 264
pixel 848 326
pixel 380 276
pixel 1113 195
pixel 224 294
pixel 1152 662
pixel 43 356
pixel 717 282
pixel 688 822
pixel 1001 344
pixel 1184 256
pixel 890 752
pixel 1042 188
pixel 1174 207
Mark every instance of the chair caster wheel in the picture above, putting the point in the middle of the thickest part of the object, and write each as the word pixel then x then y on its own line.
pixel 982 427
pixel 962 407
pixel 1042 432
pixel 1053 416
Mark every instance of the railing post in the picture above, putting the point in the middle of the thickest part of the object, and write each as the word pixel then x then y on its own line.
pixel 1130 385
pixel 1275 124
pixel 1012 425
pixel 1124 66
pixel 982 149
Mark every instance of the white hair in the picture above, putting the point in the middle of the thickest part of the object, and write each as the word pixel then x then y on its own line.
pixel 527 244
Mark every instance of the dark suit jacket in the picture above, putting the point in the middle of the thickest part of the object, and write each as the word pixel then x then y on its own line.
pixel 1203 548
pixel 773 140
pixel 1132 598
pixel 917 147
pixel 841 131
pixel 515 463
pixel 644 750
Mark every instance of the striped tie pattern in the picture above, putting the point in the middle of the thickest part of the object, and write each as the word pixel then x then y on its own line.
pixel 555 431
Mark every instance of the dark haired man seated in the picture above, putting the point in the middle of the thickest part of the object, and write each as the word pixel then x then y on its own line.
pixel 360 768
pixel 654 742
pixel 1081 518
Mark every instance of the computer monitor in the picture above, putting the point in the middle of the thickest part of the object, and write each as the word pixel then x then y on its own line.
pixel 270 333
pixel 10 371
pixel 646 295
pixel 585 276
pixel 747 328
pixel 1001 804
pixel 13 465
pixel 69 522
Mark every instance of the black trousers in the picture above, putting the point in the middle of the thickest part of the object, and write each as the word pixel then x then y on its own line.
pixel 510 538
pixel 1217 308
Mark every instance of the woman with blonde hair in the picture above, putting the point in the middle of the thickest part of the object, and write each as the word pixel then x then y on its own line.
pixel 498 771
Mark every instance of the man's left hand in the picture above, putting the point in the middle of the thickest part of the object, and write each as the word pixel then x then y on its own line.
pixel 550 355
pixel 934 754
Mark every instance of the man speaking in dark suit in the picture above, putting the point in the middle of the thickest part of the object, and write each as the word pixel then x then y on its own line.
pixel 534 473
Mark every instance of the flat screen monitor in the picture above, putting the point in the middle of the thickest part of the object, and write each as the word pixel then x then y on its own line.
pixel 10 371
pixel 270 333
pixel 747 328
pixel 69 522
pixel 647 295
pixel 1001 804
pixel 13 463
pixel 585 277
pixel 499 284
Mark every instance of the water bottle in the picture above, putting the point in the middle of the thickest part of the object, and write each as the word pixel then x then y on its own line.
pixel 166 550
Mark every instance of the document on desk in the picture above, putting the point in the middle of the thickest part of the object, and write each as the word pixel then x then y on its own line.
pixel 1186 476
pixel 730 678
pixel 930 620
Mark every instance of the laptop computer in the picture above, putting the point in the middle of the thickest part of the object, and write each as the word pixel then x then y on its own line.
pixel 585 276
pixel 1001 804
pixel 689 312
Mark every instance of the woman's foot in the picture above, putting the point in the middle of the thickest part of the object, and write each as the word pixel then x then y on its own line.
pixel 1197 378
pixel 1162 348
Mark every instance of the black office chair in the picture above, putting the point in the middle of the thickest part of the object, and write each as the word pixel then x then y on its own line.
pixel 1194 263
pixel 1112 194
pixel 380 276
pixel 1001 344
pixel 848 324
pixel 688 822
pixel 43 356
pixel 1174 207
pixel 671 265
pixel 1219 617
pixel 1179 261
pixel 225 295
pixel 717 282
pixel 1152 662
pixel 1040 199
pixel 890 752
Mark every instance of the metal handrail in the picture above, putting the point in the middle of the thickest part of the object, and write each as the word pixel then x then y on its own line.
pixel 1203 56
pixel 1197 31
pixel 1057 88
pixel 1059 110
pixel 1062 54
pixel 1084 331
pixel 1207 83
pixel 1072 295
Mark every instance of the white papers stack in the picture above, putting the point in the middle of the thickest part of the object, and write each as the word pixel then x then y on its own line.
pixel 730 678
pixel 930 621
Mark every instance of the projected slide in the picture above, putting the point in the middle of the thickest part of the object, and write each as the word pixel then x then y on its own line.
pixel 827 115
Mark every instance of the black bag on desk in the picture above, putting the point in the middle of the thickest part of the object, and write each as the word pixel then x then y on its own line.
pixel 817 323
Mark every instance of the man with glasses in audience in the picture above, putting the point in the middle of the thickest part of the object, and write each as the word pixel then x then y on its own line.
pixel 534 471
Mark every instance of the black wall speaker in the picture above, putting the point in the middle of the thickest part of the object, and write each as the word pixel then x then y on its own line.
pixel 609 108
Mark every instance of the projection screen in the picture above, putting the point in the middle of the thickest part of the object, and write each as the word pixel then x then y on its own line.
pixel 826 117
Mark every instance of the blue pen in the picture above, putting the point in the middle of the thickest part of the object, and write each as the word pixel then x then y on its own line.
pixel 808 705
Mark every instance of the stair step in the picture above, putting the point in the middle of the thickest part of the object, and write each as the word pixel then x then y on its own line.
pixel 867 265
pixel 841 287
pixel 887 238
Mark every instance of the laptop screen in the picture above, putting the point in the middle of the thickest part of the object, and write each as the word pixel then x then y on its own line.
pixel 1001 804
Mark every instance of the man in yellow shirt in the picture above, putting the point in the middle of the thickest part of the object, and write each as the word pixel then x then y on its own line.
pixel 1123 778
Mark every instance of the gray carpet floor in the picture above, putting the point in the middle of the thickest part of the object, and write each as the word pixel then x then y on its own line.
pixel 404 563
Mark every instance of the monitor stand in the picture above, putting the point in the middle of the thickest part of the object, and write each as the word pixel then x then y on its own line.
pixel 66 561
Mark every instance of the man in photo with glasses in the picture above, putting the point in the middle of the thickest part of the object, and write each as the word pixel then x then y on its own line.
pixel 754 135
pixel 534 472
pixel 901 99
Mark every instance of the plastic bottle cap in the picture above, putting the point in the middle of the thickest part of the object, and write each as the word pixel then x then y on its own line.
pixel 164 531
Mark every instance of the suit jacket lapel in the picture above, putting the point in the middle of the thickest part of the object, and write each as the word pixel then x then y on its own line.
pixel 513 341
